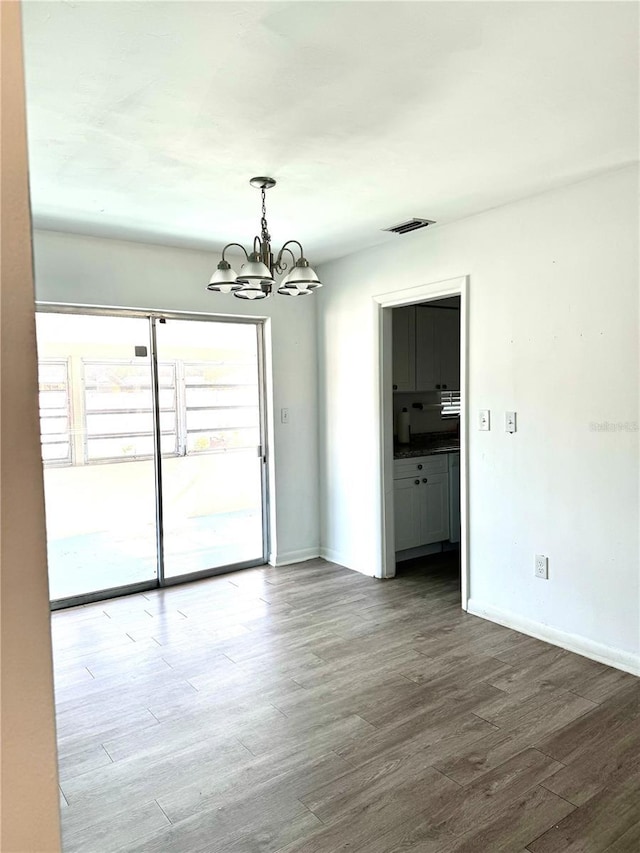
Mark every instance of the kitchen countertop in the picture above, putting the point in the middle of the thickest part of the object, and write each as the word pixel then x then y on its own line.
pixel 426 444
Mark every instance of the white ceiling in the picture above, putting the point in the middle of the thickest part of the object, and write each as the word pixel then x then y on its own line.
pixel 147 119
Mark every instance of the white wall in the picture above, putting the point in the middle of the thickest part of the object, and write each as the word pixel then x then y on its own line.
pixel 553 335
pixel 93 271
pixel 30 794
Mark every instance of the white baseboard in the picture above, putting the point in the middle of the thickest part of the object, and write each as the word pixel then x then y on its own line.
pixel 626 661
pixel 332 556
pixel 289 557
pixel 342 560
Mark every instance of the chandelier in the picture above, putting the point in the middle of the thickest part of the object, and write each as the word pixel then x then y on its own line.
pixel 257 276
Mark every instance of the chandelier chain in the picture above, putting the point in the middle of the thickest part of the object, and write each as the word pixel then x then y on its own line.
pixel 265 228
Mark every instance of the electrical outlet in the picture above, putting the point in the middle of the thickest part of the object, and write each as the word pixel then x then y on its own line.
pixel 484 422
pixel 542 567
pixel 284 416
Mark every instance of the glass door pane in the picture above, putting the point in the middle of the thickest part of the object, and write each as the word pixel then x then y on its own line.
pixel 96 424
pixel 212 486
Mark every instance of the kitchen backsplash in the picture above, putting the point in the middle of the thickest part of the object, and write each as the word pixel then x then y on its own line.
pixel 427 419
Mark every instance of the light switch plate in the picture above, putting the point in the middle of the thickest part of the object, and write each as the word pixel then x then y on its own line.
pixel 484 421
pixel 284 416
pixel 510 422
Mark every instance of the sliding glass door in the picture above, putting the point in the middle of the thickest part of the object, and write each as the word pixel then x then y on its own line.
pixel 212 486
pixel 152 448
pixel 97 428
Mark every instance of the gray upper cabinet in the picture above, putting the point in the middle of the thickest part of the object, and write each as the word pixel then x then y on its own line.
pixel 437 349
pixel 404 348
pixel 426 349
pixel 448 337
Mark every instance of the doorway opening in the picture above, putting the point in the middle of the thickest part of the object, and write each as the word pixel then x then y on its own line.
pixel 423 429
pixel 426 434
pixel 153 446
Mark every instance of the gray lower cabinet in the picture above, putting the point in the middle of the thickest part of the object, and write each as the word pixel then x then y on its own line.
pixel 421 501
pixel 454 497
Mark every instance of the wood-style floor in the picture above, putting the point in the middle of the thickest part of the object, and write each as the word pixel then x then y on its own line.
pixel 310 709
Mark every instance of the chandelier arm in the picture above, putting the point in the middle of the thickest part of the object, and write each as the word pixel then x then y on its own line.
pixel 229 245
pixel 281 265
pixel 289 250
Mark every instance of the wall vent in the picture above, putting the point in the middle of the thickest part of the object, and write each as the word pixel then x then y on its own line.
pixel 410 225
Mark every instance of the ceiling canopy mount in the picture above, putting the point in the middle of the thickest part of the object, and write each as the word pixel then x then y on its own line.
pixel 262 183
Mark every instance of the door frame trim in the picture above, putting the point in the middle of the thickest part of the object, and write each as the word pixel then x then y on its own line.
pixel 106 310
pixel 161 582
pixel 383 367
